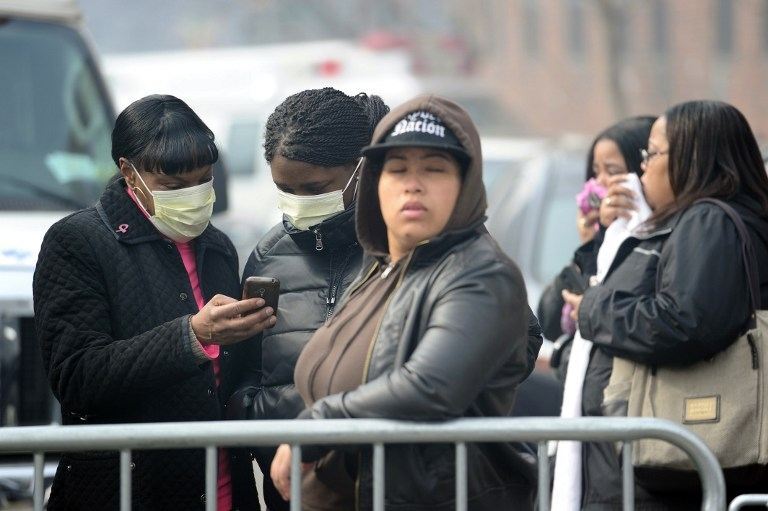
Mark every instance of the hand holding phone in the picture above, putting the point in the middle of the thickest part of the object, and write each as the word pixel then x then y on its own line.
pixel 267 288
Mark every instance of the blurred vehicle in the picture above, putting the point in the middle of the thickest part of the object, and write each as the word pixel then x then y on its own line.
pixel 532 208
pixel 54 159
pixel 531 186
pixel 55 143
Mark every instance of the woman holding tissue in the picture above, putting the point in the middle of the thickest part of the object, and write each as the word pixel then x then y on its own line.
pixel 676 291
pixel 135 299
pixel 613 155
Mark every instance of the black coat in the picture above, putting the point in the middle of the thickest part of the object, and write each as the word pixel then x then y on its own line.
pixel 315 268
pixel 444 351
pixel 575 278
pixel 674 296
pixel 112 311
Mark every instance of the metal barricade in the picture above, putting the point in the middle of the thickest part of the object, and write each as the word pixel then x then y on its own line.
pixel 210 435
pixel 753 499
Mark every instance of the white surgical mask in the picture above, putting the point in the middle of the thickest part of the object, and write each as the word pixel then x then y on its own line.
pixel 182 215
pixel 304 211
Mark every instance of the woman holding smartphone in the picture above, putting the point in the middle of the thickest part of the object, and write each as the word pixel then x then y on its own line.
pixel 135 304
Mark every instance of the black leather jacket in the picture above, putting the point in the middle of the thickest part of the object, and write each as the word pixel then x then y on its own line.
pixel 443 351
pixel 452 342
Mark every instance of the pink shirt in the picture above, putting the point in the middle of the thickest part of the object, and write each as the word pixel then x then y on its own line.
pixel 187 252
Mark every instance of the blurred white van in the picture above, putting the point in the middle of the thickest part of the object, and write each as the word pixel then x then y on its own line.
pixel 54 158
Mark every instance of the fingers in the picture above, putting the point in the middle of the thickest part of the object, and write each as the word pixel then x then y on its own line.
pixel 234 308
pixel 253 324
pixel 619 191
pixel 280 471
pixel 218 300
pixel 619 203
pixel 569 297
pixel 574 301
pixel 592 217
pixel 586 225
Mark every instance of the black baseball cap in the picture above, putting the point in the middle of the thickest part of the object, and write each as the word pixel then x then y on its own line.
pixel 419 129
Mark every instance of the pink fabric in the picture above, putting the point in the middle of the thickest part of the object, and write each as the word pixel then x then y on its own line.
pixel 187 252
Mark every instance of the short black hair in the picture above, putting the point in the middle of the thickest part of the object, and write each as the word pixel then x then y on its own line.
pixel 162 134
pixel 322 126
pixel 630 135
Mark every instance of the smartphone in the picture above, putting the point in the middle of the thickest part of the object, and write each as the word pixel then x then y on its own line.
pixel 267 288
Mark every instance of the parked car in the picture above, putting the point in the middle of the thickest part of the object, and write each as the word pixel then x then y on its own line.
pixel 532 208
pixel 531 187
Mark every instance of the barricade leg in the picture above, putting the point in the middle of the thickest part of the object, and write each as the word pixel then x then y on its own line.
pixel 543 492
pixel 628 477
pixel 461 476
pixel 211 464
pixel 378 477
pixel 39 485
pixel 125 480
pixel 295 478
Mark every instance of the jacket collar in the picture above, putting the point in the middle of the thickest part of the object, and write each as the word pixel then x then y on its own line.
pixel 336 232
pixel 129 225
pixel 432 250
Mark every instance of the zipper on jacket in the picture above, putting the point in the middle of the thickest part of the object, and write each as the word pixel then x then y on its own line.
pixel 367 365
pixel 318 240
pixel 330 302
pixel 753 349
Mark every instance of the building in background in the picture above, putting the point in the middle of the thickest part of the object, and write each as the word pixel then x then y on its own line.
pixel 578 65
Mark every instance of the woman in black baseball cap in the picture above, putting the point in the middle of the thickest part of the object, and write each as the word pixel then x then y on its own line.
pixel 435 328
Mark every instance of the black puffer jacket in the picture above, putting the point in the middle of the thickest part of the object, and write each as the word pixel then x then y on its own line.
pixel 314 267
pixel 452 343
pixel 112 311
pixel 675 296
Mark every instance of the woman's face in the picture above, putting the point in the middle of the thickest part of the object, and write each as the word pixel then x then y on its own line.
pixel 418 190
pixel 607 161
pixel 153 181
pixel 656 184
pixel 302 178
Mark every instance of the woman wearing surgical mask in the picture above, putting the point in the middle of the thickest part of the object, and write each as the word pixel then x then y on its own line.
pixel 312 144
pixel 135 308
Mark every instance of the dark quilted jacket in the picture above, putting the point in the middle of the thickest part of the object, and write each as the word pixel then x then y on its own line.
pixel 311 281
pixel 112 311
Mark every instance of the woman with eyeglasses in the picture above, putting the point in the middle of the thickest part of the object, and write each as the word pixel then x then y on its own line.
pixel 135 307
pixel 677 292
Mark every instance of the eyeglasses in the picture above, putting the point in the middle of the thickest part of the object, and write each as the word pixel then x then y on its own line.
pixel 648 155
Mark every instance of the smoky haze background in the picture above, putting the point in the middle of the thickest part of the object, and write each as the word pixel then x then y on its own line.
pixel 524 67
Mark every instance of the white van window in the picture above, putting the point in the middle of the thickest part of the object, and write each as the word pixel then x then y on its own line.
pixel 56 121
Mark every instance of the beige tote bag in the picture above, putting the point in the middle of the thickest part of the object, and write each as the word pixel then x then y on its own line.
pixel 721 399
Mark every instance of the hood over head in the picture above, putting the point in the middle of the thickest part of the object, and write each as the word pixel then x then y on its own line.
pixel 471 203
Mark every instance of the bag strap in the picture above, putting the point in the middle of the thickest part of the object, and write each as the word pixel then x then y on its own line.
pixel 748 254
